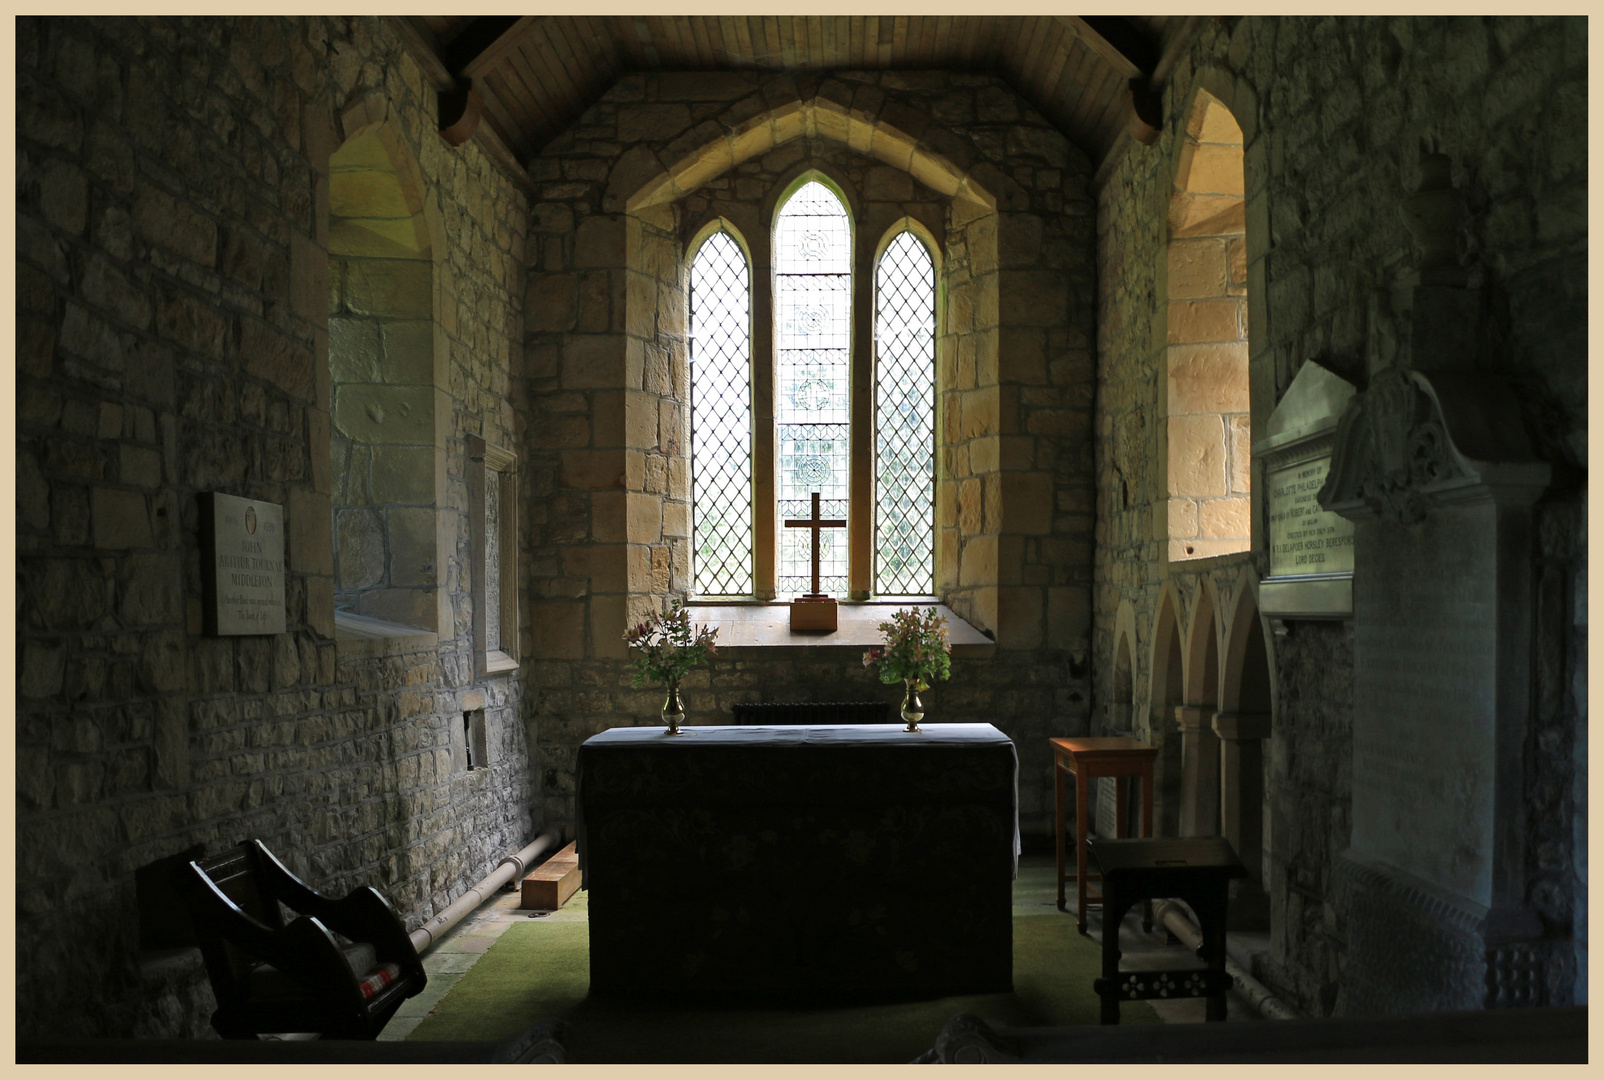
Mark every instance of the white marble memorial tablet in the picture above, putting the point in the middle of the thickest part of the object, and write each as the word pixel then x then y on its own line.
pixel 242 547
pixel 1305 539
pixel 1311 549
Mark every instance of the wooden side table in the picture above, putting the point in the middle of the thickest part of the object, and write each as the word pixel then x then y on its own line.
pixel 1197 869
pixel 1086 760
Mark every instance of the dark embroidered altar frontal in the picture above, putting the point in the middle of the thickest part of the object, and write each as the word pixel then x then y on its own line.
pixel 800 862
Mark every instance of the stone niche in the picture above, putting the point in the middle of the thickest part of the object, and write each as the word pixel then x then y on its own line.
pixel 386 447
pixel 1438 477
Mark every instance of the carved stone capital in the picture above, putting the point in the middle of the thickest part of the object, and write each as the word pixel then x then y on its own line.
pixel 1193 718
pixel 1410 442
pixel 1239 726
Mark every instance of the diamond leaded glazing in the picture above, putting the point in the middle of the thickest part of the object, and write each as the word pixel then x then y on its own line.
pixel 721 420
pixel 813 320
pixel 492 560
pixel 905 420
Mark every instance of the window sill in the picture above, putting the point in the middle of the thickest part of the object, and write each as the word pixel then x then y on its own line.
pixel 755 626
pixel 494 663
pixel 358 635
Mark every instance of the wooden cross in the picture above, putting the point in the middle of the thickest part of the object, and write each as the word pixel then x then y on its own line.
pixel 815 524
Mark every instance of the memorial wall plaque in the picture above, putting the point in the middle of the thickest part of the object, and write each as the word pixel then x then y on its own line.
pixel 242 575
pixel 1305 539
pixel 1311 549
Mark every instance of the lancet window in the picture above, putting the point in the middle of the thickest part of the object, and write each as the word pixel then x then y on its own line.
pixel 812 379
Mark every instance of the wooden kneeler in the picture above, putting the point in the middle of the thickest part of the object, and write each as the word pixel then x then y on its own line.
pixel 551 883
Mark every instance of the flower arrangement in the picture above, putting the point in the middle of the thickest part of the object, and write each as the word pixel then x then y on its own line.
pixel 915 652
pixel 667 646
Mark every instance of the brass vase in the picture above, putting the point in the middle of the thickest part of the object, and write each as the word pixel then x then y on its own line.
pixel 912 709
pixel 673 710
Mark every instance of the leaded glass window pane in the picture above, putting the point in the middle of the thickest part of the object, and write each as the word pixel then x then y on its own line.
pixel 813 331
pixel 905 420
pixel 492 560
pixel 721 419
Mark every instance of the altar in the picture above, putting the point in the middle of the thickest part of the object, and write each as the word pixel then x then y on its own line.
pixel 800 861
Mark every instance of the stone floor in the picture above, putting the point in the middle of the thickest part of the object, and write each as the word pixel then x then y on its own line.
pixel 1034 893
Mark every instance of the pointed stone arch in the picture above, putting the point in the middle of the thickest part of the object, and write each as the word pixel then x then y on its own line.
pixel 643 178
pixel 1200 746
pixel 1166 695
pixel 1202 648
pixel 1244 726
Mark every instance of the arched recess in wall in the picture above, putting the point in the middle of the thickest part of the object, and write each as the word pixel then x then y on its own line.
pixel 1208 430
pixel 1166 690
pixel 387 457
pixel 1244 723
pixel 646 190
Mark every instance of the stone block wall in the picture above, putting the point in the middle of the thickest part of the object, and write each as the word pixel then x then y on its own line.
pixel 172 302
pixel 1335 115
pixel 623 193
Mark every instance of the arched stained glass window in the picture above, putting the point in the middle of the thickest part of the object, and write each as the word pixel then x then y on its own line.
pixel 721 419
pixel 905 419
pixel 813 336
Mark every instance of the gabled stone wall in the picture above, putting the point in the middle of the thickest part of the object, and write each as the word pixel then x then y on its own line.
pixel 622 193
pixel 172 303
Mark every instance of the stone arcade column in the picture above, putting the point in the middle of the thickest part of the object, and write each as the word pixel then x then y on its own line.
pixel 1241 741
pixel 1437 474
pixel 1242 736
pixel 1200 770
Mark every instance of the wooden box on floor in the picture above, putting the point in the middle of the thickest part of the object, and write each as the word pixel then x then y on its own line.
pixel 551 883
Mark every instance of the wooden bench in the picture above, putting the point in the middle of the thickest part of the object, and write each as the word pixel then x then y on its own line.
pixel 551 883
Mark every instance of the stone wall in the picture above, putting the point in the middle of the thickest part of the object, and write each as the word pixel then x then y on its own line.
pixel 623 192
pixel 172 303
pixel 1336 114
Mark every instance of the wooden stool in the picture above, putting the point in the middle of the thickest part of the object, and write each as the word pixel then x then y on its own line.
pixel 1197 869
pixel 1086 760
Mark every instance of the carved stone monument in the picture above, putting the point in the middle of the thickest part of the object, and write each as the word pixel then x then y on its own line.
pixel 1433 465
pixel 242 567
pixel 1439 478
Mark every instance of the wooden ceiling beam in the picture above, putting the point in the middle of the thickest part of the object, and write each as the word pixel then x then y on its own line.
pixel 1118 43
pixel 1175 46
pixel 485 42
pixel 492 135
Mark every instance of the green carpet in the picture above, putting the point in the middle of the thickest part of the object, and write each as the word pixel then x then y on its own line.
pixel 540 970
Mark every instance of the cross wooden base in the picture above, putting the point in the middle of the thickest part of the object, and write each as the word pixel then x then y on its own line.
pixel 813 613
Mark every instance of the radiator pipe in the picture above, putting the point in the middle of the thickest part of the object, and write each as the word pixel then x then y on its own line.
pixel 1177 921
pixel 513 866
